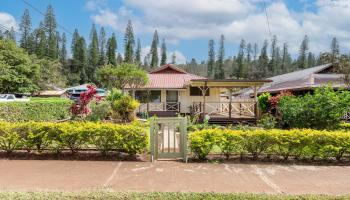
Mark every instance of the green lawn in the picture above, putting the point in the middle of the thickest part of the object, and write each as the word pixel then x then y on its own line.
pixel 103 194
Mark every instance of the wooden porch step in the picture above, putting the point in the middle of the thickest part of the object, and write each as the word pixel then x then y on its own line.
pixel 235 121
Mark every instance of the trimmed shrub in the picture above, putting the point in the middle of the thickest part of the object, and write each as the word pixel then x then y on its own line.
pixel 300 143
pixel 202 142
pixel 100 110
pixel 230 142
pixel 104 137
pixel 50 109
pixel 322 110
pixel 124 107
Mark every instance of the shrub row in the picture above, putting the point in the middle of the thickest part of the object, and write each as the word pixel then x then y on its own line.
pixel 104 137
pixel 296 143
pixel 35 110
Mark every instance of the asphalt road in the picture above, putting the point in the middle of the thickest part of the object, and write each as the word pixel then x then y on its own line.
pixel 173 176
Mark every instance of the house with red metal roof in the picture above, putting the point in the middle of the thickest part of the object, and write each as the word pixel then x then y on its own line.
pixel 171 91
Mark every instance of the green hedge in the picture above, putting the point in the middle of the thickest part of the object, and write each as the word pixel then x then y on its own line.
pixel 294 143
pixel 40 109
pixel 104 137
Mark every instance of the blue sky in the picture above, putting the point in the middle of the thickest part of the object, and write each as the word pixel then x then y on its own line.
pixel 188 25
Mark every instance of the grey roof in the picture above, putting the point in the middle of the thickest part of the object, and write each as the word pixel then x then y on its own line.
pixel 299 80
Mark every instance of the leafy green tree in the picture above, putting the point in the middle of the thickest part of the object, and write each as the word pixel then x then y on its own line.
pixel 303 53
pixel 163 53
pixel 138 52
pixel 219 71
pixel 102 43
pixel 51 74
pixel 129 43
pixel 50 27
pixel 211 59
pixel 17 71
pixel 124 75
pixel 154 50
pixel 94 55
pixel 111 50
pixel 25 28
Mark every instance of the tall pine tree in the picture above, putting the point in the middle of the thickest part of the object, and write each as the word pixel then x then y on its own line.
pixel 94 55
pixel 163 53
pixel 50 27
pixel 25 28
pixel 154 50
pixel 335 52
pixel 129 43
pixel 40 41
pixel 303 53
pixel 272 66
pixel 111 50
pixel 138 53
pixel 211 59
pixel 263 62
pixel 240 60
pixel 219 70
pixel 102 42
pixel 63 51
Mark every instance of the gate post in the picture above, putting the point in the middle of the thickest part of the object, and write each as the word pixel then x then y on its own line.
pixel 184 139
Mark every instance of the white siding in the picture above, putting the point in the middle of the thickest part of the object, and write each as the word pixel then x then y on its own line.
pixel 186 100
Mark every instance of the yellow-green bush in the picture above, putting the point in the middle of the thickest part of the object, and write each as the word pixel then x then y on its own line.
pixel 305 143
pixel 104 137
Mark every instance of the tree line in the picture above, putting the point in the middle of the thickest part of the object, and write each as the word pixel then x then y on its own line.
pixel 47 44
pixel 250 62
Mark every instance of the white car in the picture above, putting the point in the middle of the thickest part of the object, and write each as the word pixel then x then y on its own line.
pixel 11 98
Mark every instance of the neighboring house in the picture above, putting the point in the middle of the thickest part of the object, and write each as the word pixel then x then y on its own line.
pixel 171 91
pixel 51 93
pixel 74 92
pixel 301 81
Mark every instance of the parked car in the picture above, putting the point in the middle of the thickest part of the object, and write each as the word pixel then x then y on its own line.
pixel 12 98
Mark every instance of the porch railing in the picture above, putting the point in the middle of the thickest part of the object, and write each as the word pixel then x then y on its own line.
pixel 233 109
pixel 159 106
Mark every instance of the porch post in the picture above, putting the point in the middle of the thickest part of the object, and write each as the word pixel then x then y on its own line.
pixel 230 104
pixel 255 102
pixel 204 91
pixel 148 93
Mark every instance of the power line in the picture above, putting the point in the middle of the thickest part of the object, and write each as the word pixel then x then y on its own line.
pixel 8 29
pixel 267 19
pixel 38 11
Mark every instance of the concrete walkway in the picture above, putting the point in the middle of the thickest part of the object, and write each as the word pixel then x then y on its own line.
pixel 174 176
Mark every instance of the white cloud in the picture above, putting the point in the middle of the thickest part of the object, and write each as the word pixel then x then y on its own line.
pixel 178 20
pixel 8 20
pixel 180 57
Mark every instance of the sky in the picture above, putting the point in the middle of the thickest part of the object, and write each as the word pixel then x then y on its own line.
pixel 187 25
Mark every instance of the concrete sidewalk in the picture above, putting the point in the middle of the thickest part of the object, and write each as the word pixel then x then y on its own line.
pixel 174 176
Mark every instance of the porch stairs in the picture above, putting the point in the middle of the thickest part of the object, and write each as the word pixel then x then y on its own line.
pixel 235 121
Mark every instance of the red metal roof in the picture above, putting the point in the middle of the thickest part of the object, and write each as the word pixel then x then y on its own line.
pixel 169 77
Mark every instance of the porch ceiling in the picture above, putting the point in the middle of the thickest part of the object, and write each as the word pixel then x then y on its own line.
pixel 227 83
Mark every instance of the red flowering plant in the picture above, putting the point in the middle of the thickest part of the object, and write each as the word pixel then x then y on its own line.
pixel 80 108
pixel 274 100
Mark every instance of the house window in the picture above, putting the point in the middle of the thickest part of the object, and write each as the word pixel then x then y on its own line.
pixel 195 91
pixel 142 96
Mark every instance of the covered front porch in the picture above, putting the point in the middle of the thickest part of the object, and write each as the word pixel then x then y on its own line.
pixel 229 109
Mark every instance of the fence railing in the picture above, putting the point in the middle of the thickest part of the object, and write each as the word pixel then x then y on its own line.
pixel 159 106
pixel 234 109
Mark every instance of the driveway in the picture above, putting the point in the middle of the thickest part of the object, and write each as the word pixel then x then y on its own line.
pixel 173 176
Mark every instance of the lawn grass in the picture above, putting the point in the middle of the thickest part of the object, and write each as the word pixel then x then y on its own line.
pixel 105 194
